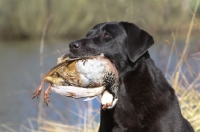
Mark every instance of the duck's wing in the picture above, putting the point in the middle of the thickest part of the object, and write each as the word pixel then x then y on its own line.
pixel 58 66
pixel 66 69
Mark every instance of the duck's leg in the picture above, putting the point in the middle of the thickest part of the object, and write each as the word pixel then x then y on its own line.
pixel 55 80
pixel 46 94
pixel 38 91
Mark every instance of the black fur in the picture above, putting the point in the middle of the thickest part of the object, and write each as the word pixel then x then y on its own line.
pixel 146 102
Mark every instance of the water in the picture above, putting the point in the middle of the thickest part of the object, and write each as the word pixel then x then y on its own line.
pixel 20 77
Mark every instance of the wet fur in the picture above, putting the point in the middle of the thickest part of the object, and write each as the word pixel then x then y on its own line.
pixel 146 101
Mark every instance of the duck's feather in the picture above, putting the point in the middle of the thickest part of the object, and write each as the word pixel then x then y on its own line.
pixel 78 92
pixel 65 62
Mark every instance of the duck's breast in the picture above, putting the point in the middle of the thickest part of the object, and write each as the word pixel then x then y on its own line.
pixel 91 71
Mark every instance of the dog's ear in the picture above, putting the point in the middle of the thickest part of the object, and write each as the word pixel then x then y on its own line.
pixel 138 41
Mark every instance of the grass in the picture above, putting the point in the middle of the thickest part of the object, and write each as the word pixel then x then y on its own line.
pixel 189 98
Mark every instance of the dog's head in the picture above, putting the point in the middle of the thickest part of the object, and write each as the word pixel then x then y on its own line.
pixel 120 42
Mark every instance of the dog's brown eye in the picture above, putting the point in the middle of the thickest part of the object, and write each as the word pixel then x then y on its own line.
pixel 106 35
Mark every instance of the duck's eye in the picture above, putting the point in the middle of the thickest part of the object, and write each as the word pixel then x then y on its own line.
pixel 107 35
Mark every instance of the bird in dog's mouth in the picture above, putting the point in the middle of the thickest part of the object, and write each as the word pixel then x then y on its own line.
pixel 80 77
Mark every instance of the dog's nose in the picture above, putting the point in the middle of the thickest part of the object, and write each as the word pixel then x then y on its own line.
pixel 74 45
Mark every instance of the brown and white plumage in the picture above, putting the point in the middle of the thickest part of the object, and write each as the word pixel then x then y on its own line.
pixel 78 76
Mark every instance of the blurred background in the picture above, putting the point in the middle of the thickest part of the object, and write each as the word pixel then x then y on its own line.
pixel 34 33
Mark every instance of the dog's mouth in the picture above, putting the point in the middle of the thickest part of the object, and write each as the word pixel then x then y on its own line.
pixel 71 55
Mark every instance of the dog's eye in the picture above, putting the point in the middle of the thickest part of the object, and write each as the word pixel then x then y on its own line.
pixel 107 35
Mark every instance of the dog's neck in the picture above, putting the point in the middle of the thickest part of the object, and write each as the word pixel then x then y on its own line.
pixel 140 82
pixel 143 57
pixel 132 65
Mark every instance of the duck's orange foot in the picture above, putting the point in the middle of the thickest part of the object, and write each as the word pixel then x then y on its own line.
pixel 46 95
pixel 37 93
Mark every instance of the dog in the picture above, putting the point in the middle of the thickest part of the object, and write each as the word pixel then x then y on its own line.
pixel 146 101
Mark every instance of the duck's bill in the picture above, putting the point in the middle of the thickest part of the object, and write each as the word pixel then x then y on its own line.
pixel 78 92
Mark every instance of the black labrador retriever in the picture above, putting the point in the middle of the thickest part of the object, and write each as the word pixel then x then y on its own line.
pixel 146 101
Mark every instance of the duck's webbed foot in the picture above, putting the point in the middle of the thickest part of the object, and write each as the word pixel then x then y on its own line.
pixel 38 91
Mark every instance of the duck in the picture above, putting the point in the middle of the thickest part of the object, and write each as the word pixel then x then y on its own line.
pixel 79 77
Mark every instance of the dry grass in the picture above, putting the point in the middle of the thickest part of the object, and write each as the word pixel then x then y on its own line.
pixel 53 126
pixel 189 99
pixel 87 116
